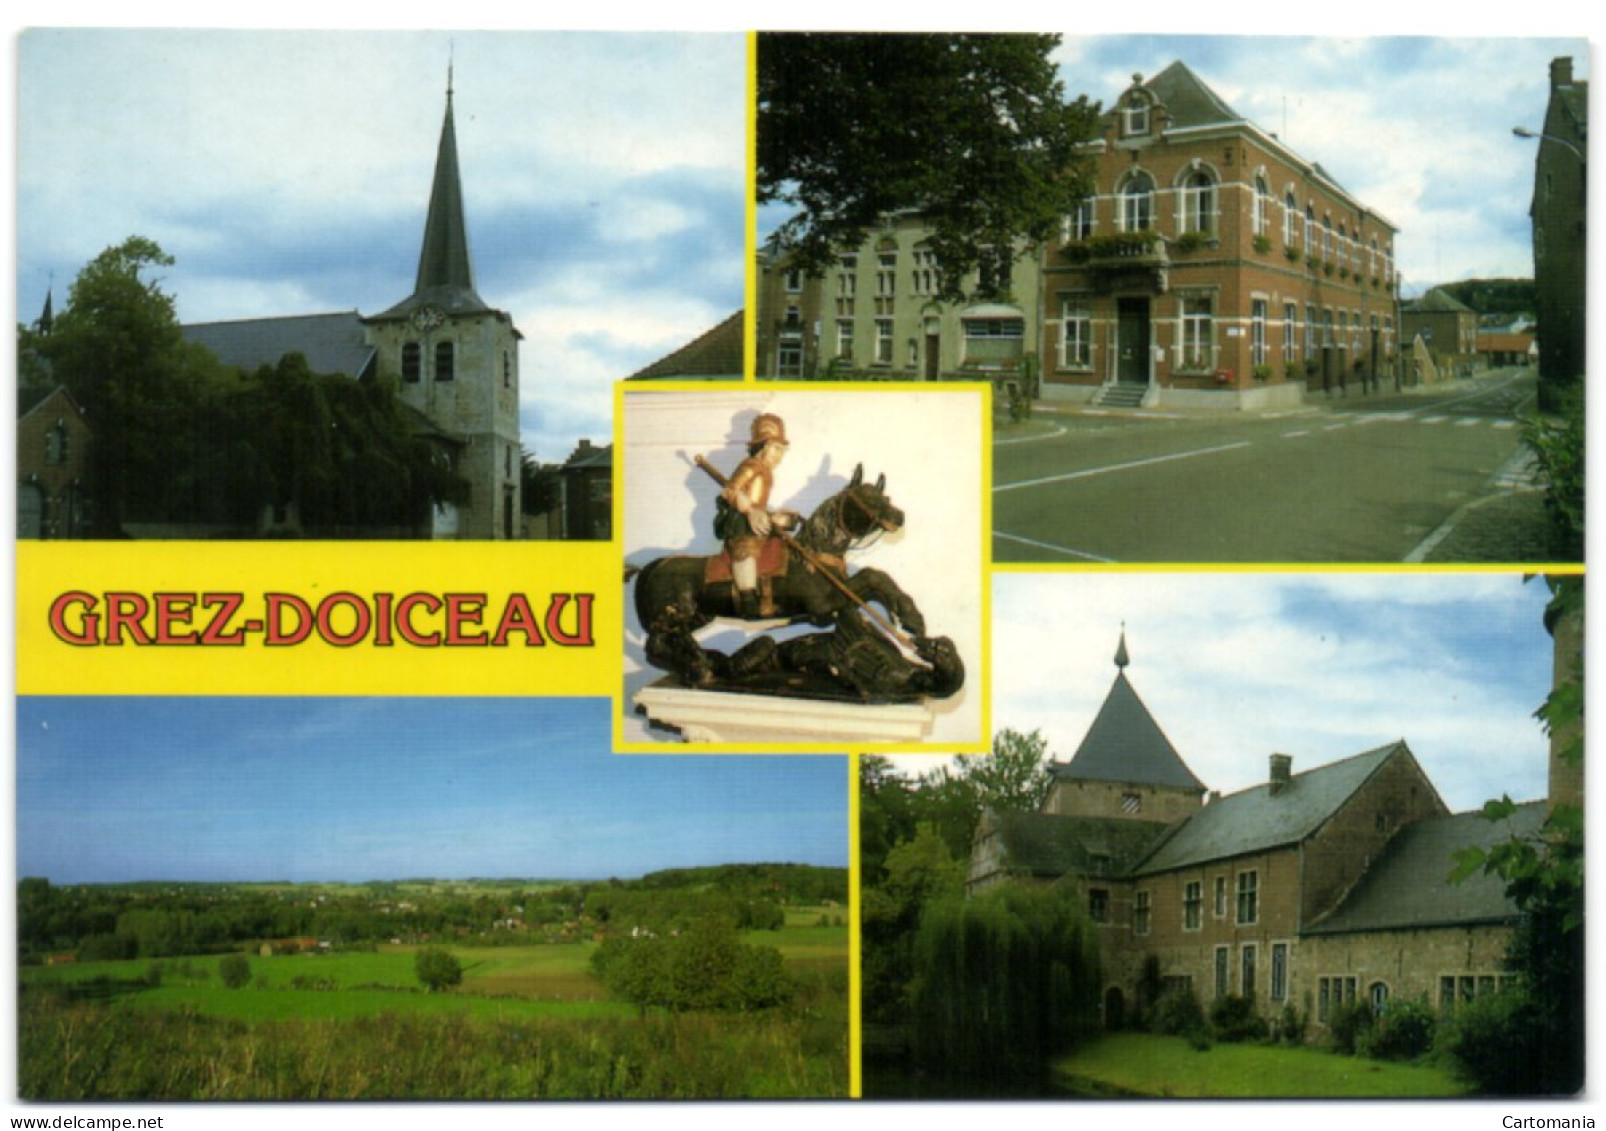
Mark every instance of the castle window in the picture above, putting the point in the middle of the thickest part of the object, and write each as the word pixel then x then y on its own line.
pixel 1140 913
pixel 1137 203
pixel 1098 905
pixel 410 362
pixel 1192 905
pixel 1131 802
pixel 1379 994
pixel 1222 971
pixel 1248 897
pixel 1279 971
pixel 1221 896
pixel 445 358
pixel 1246 985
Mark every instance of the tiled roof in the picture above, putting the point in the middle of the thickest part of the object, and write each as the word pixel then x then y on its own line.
pixel 331 343
pixel 715 354
pixel 1125 744
pixel 1257 819
pixel 1409 885
pixel 1043 844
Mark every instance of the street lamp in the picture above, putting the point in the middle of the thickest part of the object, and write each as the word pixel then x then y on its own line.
pixel 1522 131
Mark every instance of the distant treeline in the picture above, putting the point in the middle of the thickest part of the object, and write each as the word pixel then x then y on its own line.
pixel 146 920
pixel 1495 296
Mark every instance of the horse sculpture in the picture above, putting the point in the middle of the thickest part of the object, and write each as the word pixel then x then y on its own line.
pixel 676 596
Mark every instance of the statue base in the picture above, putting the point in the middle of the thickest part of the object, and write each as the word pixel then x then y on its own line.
pixel 761 720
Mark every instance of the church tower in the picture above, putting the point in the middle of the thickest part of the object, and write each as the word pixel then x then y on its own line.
pixel 455 360
pixel 1126 766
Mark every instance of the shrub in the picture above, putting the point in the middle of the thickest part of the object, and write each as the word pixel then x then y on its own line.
pixel 437 968
pixel 1291 1025
pixel 1349 1022
pixel 1178 1013
pixel 1402 1031
pixel 234 970
pixel 1495 1042
pixel 1234 1020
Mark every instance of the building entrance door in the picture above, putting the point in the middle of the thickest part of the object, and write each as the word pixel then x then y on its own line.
pixel 1132 341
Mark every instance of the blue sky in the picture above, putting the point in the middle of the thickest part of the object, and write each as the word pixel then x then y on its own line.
pixel 216 788
pixel 1236 666
pixel 289 172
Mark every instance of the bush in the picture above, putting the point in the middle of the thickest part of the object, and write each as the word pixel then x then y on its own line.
pixel 234 970
pixel 1348 1024
pixel 1291 1026
pixel 1402 1031
pixel 1495 1043
pixel 1234 1020
pixel 1177 1013
pixel 706 968
pixel 437 968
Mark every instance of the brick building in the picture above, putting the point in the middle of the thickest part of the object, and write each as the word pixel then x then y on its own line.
pixel 1560 232
pixel 52 464
pixel 1306 891
pixel 1213 264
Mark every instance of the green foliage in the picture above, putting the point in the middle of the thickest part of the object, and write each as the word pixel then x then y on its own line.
pixel 1558 444
pixel 1114 245
pixel 1233 1019
pixel 234 970
pixel 706 968
pixel 1177 1012
pixel 438 968
pixel 1404 1030
pixel 1290 1026
pixel 1002 983
pixel 1494 296
pixel 1350 1026
pixel 1498 1040
pixel 973 130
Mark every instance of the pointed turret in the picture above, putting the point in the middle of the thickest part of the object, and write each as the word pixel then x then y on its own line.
pixel 1121 658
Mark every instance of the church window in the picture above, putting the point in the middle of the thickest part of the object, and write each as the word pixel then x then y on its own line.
pixel 445 359
pixel 1279 971
pixel 1246 985
pixel 1140 913
pixel 1192 904
pixel 1248 897
pixel 1098 905
pixel 56 443
pixel 410 362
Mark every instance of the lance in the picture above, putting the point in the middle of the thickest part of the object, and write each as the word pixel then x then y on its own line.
pixel 824 569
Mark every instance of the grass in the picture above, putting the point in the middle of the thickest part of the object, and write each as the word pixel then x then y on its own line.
pixel 1135 1064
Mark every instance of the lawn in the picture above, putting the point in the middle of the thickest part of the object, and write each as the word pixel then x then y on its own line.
pixel 1135 1064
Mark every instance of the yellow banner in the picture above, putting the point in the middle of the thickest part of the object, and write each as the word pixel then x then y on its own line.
pixel 318 618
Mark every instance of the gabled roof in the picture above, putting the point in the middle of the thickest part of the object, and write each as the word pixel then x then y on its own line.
pixel 1409 887
pixel 1187 100
pixel 1257 819
pixel 715 354
pixel 32 397
pixel 1125 744
pixel 589 455
pixel 331 343
pixel 1438 301
pixel 1048 845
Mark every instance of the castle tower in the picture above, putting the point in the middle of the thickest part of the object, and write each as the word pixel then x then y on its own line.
pixel 1125 766
pixel 455 360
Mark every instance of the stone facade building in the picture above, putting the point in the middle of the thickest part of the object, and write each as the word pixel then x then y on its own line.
pixel 1307 891
pixel 1560 232
pixel 52 464
pixel 1448 328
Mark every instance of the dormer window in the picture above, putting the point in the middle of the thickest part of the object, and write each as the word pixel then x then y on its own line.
pixel 1135 115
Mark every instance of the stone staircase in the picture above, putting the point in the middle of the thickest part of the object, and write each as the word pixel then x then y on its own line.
pixel 1120 394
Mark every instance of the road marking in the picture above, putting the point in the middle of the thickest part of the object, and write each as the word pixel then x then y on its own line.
pixel 1091 471
pixel 1059 430
pixel 1051 546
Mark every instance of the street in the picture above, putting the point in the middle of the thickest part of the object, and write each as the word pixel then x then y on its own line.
pixel 1364 478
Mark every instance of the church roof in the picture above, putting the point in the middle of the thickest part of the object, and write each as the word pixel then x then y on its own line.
pixel 445 272
pixel 1258 818
pixel 715 354
pixel 331 343
pixel 1408 887
pixel 1044 844
pixel 1125 744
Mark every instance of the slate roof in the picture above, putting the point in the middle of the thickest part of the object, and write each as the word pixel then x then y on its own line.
pixel 1044 844
pixel 1408 886
pixel 589 455
pixel 1125 744
pixel 1255 819
pixel 1187 100
pixel 331 343
pixel 715 354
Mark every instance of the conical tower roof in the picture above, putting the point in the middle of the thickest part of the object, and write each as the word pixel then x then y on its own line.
pixel 445 271
pixel 1125 744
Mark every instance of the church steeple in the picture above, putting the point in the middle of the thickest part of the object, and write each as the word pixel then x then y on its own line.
pixel 1121 658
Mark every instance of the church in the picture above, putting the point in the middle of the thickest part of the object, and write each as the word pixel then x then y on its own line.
pixel 1311 890
pixel 452 357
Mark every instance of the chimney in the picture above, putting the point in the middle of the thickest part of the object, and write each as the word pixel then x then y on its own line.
pixel 1561 71
pixel 1281 766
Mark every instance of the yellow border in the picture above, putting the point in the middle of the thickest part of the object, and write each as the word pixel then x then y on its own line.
pixel 750 240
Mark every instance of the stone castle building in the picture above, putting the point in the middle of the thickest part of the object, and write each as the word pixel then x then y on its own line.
pixel 453 359
pixel 1310 890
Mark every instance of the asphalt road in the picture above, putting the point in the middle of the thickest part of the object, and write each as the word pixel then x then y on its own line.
pixel 1357 479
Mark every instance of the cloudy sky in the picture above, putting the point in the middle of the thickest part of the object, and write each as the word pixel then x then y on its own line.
pixel 289 173
pixel 112 789
pixel 1418 128
pixel 1236 666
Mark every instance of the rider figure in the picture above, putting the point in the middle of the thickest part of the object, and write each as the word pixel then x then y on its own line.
pixel 744 520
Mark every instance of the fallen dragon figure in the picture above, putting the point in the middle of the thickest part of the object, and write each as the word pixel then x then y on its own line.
pixel 802 578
